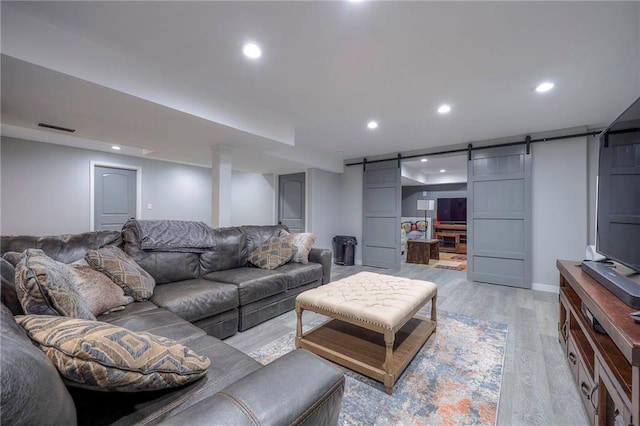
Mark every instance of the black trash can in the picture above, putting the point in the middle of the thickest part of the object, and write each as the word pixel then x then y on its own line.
pixel 344 249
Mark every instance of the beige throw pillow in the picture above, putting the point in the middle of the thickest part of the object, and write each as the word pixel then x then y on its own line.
pixel 101 356
pixel 303 243
pixel 123 270
pixel 98 290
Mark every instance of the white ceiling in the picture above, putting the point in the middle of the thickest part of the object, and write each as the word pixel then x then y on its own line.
pixel 168 79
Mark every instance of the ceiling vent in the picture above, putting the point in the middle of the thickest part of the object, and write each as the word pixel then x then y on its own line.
pixel 51 126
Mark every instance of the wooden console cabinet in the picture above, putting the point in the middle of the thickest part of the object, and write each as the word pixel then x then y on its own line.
pixel 606 367
pixel 453 238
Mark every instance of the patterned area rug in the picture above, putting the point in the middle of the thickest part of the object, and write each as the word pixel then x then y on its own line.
pixel 454 379
pixel 450 261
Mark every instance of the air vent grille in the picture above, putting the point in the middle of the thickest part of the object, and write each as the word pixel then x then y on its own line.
pixel 51 126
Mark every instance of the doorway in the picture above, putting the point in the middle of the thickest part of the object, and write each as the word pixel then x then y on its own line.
pixel 291 201
pixel 115 195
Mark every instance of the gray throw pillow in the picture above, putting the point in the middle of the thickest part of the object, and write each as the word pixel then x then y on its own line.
pixel 123 270
pixel 45 287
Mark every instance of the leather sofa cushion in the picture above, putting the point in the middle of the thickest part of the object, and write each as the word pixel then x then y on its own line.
pixel 230 252
pixel 8 291
pixel 32 391
pixel 299 274
pixel 253 283
pixel 197 299
pixel 163 266
pixel 157 321
pixel 227 366
pixel 63 248
pixel 258 234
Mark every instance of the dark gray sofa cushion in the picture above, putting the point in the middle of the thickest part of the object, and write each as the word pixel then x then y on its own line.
pixel 230 251
pixel 253 283
pixel 299 274
pixel 197 299
pixel 8 291
pixel 65 248
pixel 163 266
pixel 32 391
pixel 106 408
pixel 157 321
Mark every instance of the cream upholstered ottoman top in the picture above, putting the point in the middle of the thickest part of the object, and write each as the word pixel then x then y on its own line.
pixel 382 300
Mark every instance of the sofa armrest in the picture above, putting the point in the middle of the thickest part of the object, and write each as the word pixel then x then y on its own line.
pixel 323 257
pixel 298 388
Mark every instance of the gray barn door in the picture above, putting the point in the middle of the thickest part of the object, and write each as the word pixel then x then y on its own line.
pixel 114 197
pixel 382 201
pixel 499 216
pixel 291 201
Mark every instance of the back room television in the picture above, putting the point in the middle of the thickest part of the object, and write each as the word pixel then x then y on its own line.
pixel 618 205
pixel 452 210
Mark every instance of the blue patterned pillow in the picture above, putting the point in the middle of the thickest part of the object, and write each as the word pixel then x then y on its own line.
pixel 101 356
pixel 45 287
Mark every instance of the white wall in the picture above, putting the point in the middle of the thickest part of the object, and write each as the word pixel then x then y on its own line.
pixel 252 199
pixel 348 214
pixel 324 211
pixel 46 188
pixel 560 207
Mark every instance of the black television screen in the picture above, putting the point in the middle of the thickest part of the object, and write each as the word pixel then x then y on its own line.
pixel 618 211
pixel 452 210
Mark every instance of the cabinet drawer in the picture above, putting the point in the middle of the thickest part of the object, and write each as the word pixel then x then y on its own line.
pixel 573 358
pixel 587 392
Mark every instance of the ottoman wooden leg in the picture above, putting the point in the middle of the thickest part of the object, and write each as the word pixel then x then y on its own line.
pixel 434 315
pixel 298 325
pixel 389 377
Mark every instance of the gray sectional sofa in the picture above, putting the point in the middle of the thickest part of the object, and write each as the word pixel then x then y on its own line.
pixel 199 298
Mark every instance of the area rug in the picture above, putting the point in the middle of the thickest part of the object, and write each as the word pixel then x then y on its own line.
pixel 454 379
pixel 451 261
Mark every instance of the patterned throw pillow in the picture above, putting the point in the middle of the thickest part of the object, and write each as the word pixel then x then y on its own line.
pixel 45 287
pixel 123 270
pixel 101 356
pixel 303 243
pixel 100 293
pixel 274 252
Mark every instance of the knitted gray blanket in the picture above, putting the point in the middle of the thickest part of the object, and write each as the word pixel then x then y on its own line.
pixel 173 235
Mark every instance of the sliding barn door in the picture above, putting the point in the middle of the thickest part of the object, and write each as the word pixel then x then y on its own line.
pixel 382 202
pixel 499 216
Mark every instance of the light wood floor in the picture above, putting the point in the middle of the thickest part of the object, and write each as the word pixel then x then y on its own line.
pixel 537 386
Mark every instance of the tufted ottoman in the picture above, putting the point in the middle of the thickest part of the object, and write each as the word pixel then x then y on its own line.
pixel 375 330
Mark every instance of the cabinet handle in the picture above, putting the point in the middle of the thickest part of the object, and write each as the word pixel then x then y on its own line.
pixel 585 390
pixel 593 391
pixel 564 329
pixel 572 358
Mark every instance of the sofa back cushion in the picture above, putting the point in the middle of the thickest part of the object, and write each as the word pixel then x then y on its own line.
pixel 8 292
pixel 230 251
pixel 65 248
pixel 32 391
pixel 163 266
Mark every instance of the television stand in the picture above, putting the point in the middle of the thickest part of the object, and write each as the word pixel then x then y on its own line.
pixel 452 237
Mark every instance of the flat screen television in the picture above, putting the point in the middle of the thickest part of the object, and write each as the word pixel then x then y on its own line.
pixel 618 207
pixel 452 210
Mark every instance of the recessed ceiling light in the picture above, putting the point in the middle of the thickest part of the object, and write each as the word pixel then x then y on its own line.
pixel 252 51
pixel 424 160
pixel 442 170
pixel 372 124
pixel 116 147
pixel 443 109
pixel 544 87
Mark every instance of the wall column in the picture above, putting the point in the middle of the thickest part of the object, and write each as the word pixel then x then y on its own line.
pixel 221 186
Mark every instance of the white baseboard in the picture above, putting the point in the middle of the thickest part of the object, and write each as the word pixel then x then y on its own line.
pixel 545 287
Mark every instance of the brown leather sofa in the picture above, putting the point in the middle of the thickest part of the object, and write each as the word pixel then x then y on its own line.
pixel 196 297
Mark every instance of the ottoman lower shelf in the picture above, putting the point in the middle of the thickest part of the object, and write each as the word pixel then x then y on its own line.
pixel 364 350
